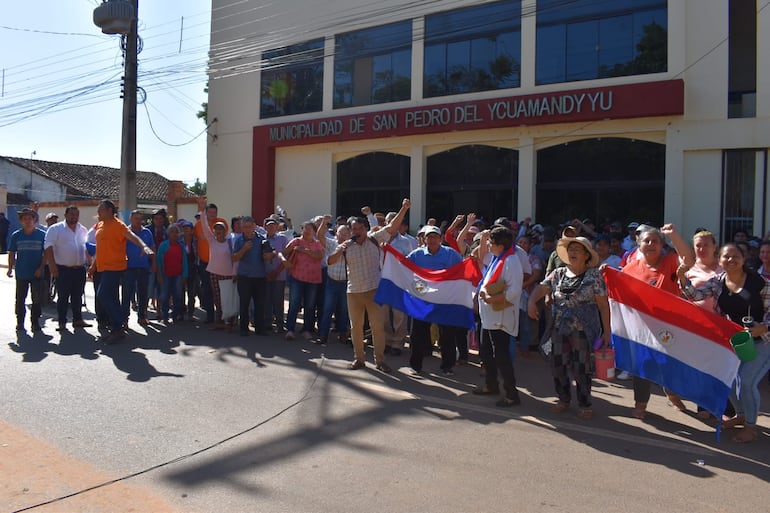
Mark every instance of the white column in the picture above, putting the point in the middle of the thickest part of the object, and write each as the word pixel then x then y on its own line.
pixel 418 56
pixel 328 87
pixel 417 181
pixel 528 44
pixel 527 182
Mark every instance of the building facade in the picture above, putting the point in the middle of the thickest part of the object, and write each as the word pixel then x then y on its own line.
pixel 630 110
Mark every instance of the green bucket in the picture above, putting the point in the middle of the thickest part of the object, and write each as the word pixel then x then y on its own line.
pixel 743 343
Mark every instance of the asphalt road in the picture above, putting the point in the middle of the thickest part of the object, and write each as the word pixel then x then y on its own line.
pixel 184 419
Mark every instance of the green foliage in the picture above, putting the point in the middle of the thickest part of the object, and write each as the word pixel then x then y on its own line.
pixel 198 188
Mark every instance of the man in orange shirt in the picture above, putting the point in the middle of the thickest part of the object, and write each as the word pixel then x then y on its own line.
pixel 111 261
pixel 207 294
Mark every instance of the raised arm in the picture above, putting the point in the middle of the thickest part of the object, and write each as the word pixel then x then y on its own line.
pixel 394 224
pixel 682 247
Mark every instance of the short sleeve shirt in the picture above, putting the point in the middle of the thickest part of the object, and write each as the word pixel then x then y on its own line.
pixel 306 268
pixel 662 276
pixel 28 248
pixel 111 245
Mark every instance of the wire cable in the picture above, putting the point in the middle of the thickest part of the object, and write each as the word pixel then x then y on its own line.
pixel 152 128
pixel 188 455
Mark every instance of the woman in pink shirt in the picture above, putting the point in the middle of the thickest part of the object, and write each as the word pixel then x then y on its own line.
pixel 221 265
pixel 302 257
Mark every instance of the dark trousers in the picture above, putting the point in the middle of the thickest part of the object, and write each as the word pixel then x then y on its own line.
pixel 136 280
pixel 453 341
pixel 108 294
pixel 251 289
pixel 70 285
pixel 496 355
pixel 37 287
pixel 191 288
pixel 102 318
pixel 207 293
pixel 420 343
pixel 274 299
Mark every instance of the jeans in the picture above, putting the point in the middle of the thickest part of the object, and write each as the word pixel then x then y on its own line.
pixel 335 302
pixel 745 393
pixel 101 313
pixel 108 295
pixel 171 288
pixel 37 287
pixel 70 285
pixel 251 289
pixel 207 294
pixel 135 281
pixel 301 293
pixel 274 295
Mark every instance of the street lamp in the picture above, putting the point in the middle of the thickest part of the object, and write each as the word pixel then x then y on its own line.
pixel 120 17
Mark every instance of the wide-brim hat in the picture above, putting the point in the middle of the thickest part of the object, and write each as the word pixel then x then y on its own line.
pixel 564 242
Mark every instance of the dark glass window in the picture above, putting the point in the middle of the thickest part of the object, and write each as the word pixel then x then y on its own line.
pixel 480 179
pixel 742 59
pixel 586 39
pixel 379 180
pixel 473 49
pixel 739 183
pixel 373 65
pixel 292 80
pixel 604 179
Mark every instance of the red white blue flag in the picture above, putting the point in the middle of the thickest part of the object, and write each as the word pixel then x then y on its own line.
pixel 672 342
pixel 444 297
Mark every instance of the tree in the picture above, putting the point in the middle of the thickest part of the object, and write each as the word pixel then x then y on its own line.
pixel 198 188
pixel 204 112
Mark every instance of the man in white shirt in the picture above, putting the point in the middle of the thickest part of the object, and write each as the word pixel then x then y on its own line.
pixel 65 252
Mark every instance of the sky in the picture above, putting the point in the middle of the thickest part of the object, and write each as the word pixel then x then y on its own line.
pixel 60 87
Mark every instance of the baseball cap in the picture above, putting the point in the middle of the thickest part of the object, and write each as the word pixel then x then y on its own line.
pixel 51 215
pixel 269 220
pixel 632 225
pixel 428 230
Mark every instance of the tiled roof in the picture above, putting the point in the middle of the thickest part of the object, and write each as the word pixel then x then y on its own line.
pixel 85 181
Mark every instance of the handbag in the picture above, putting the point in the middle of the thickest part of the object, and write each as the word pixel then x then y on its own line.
pixel 494 289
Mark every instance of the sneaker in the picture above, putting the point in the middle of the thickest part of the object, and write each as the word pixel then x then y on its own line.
pixel 321 341
pixel 307 335
pixel 623 375
pixel 290 335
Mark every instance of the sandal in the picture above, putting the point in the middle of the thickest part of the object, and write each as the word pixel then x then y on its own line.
pixel 485 390
pixel 734 422
pixel 559 407
pixel 746 435
pixel 675 402
pixel 585 413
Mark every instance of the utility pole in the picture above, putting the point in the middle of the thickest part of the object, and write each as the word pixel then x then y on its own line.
pixel 127 196
pixel 120 17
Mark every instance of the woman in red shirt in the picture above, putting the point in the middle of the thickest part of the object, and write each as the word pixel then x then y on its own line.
pixel 302 257
pixel 656 267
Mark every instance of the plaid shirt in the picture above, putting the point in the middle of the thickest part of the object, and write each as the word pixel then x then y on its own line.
pixel 364 261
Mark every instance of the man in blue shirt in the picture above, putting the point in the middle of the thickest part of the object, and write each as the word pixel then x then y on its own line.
pixel 136 279
pixel 26 256
pixel 435 257
pixel 250 251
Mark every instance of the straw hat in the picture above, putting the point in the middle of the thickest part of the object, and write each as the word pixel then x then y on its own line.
pixel 564 242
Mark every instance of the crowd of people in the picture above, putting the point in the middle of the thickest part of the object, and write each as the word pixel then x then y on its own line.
pixel 540 283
